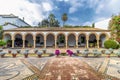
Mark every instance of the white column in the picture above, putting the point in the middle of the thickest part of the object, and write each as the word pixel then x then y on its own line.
pixel 23 43
pixel 12 43
pixel 34 43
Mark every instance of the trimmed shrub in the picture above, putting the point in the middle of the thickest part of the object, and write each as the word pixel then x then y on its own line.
pixel 2 43
pixel 110 44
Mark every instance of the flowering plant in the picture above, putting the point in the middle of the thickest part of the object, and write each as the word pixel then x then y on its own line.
pixel 57 52
pixel 70 53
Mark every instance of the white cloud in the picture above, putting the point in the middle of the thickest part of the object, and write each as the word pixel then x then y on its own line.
pixel 108 7
pixel 87 23
pixel 47 6
pixel 75 4
pixel 74 19
pixel 32 12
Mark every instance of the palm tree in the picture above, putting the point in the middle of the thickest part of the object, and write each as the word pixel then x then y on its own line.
pixel 64 18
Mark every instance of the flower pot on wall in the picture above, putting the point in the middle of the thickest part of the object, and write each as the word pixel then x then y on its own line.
pixel 3 55
pixel 14 55
pixel 39 56
pixel 26 55
pixel 108 56
pixel 9 51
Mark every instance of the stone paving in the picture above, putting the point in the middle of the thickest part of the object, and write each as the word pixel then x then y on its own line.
pixel 13 69
pixel 114 68
pixel 62 68
pixel 111 65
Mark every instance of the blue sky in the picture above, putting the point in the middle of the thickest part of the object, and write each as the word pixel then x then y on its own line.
pixel 80 12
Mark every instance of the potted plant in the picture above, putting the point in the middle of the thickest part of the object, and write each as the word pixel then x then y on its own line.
pixel 103 51
pixel 44 50
pixel 18 51
pixel 107 52
pixel 2 43
pixel 118 53
pixel 78 51
pixel 39 53
pixel 2 54
pixel 26 52
pixel 96 53
pixel 9 51
pixel 14 54
pixel 69 52
pixel 35 51
pixel 85 53
pixel 29 45
pixel 111 50
pixel 91 44
pixel 57 53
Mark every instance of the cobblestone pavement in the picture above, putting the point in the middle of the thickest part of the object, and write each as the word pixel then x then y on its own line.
pixel 112 68
pixel 62 68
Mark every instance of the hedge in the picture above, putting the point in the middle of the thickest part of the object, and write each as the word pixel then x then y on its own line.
pixel 111 44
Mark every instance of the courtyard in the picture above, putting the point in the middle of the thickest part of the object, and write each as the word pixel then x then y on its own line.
pixel 59 68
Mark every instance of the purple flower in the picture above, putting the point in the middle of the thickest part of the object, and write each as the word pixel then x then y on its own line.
pixel 69 52
pixel 57 52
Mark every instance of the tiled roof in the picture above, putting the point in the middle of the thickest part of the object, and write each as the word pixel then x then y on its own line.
pixel 58 29
pixel 9 16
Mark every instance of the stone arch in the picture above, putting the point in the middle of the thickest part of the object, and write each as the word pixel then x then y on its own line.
pixel 61 39
pixel 8 39
pixel 82 40
pixel 29 39
pixel 17 34
pixel 102 38
pixel 7 36
pixel 93 39
pixel 71 40
pixel 18 37
pixel 39 39
pixel 50 40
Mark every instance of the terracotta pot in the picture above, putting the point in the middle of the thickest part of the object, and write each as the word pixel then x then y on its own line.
pixel 2 56
pixel 108 56
pixel 14 55
pixel 39 56
pixel 26 55
pixel 9 51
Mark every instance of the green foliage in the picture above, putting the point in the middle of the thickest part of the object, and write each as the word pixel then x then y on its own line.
pixel 110 44
pixel 2 43
pixel 70 26
pixel 51 21
pixel 61 38
pixel 1 32
pixel 114 26
pixel 93 25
